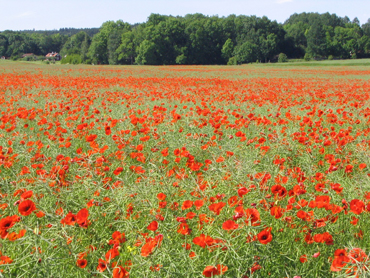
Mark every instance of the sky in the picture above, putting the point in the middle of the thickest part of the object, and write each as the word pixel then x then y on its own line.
pixel 55 14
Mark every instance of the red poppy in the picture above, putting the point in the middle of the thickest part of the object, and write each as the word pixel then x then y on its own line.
pixel 26 207
pixel 91 137
pixel 117 238
pixel 82 216
pixel 120 272
pixel 211 271
pixel 102 265
pixel 161 196
pixel 357 206
pixel 69 219
pixel 153 226
pixel 217 207
pixel 184 229
pixel 229 225
pixel 8 222
pixel 82 263
pixel 265 236
pixel 118 171
pixel 150 245
pixel 40 214
pixel 198 204
pixel 242 191
pixel 303 259
pixel 111 254
pixel 339 263
pixel 252 217
pixel 187 204
pixel 203 240
pixel 27 195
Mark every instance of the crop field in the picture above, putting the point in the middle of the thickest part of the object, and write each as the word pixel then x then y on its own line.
pixel 184 171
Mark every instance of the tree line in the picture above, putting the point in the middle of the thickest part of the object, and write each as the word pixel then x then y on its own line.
pixel 200 39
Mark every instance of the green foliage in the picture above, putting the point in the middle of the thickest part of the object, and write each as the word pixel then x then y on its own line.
pixel 147 53
pixel 198 39
pixel 181 59
pixel 104 45
pixel 316 40
pixel 246 53
pixel 307 57
pixel 227 49
pixel 126 51
pixel 282 58
pixel 330 57
pixel 72 59
pixel 77 44
pixel 232 61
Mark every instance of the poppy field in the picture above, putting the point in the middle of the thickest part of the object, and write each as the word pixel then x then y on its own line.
pixel 184 171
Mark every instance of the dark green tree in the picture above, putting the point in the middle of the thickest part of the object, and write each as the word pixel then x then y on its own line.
pixel 316 40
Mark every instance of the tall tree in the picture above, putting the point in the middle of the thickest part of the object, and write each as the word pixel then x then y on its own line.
pixel 316 40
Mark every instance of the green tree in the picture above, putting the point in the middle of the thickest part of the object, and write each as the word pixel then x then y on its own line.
pixel 227 49
pixel 99 51
pixel 114 41
pixel 366 28
pixel 147 54
pixel 316 40
pixel 246 53
pixel 282 58
pixel 77 44
pixel 3 45
pixel 127 49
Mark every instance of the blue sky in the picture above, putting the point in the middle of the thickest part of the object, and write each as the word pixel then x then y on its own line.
pixel 49 15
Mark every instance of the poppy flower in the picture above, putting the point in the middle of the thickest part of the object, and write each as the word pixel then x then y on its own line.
pixel 242 191
pixel 82 263
pixel 102 265
pixel 153 226
pixel 117 238
pixel 203 240
pixel 69 219
pixel 187 204
pixel 27 195
pixel 26 207
pixel 40 214
pixel 150 245
pixel 91 137
pixel 211 271
pixel 303 259
pixel 82 216
pixel 216 207
pixel 8 222
pixel 111 254
pixel 229 225
pixel 339 263
pixel 184 229
pixel 118 171
pixel 357 206
pixel 161 196
pixel 265 236
pixel 252 217
pixel 198 204
pixel 120 272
